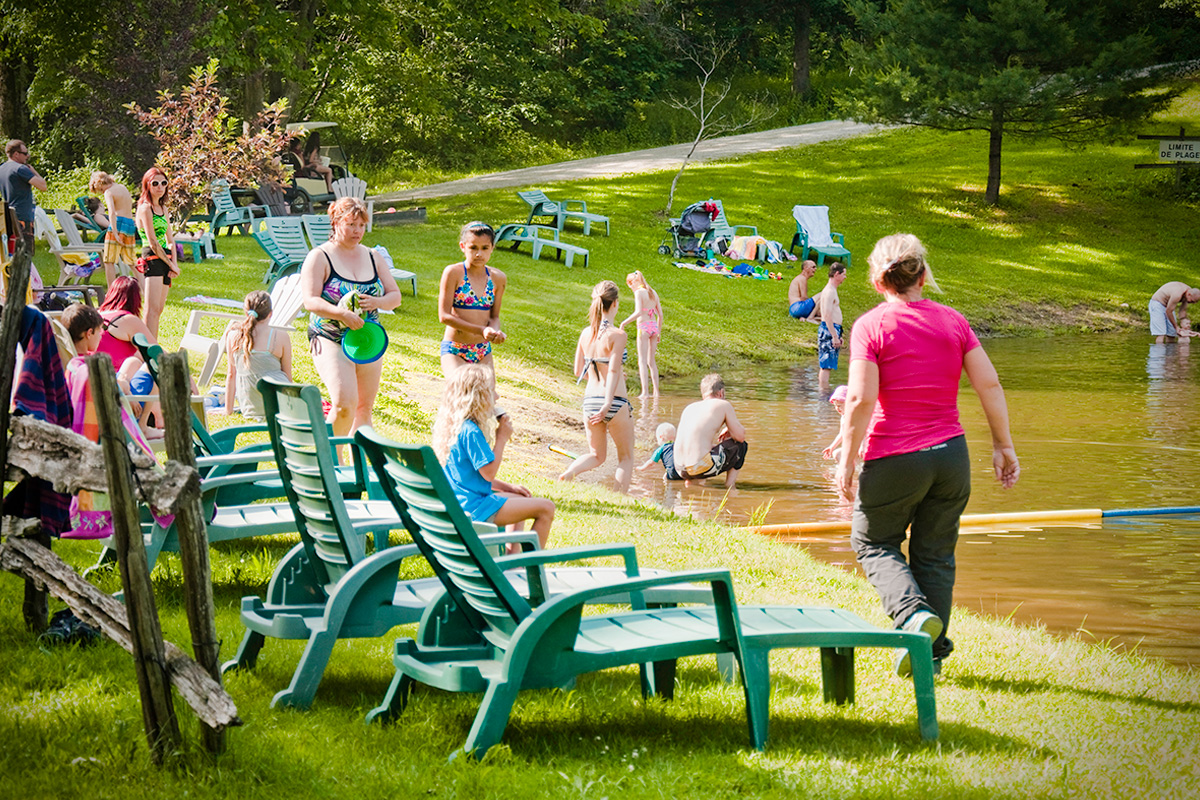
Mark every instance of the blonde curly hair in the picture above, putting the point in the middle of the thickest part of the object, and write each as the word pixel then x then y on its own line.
pixel 468 395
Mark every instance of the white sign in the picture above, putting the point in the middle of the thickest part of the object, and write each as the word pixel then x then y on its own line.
pixel 1175 150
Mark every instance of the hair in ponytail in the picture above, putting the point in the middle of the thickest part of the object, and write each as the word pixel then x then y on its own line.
pixel 257 307
pixel 604 295
pixel 898 262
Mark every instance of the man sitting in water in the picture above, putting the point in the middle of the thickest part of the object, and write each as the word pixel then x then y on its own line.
pixel 712 418
pixel 1164 316
pixel 800 305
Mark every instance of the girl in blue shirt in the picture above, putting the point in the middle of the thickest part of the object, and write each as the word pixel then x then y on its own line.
pixel 469 439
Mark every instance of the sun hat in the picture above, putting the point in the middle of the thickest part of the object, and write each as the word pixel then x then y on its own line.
pixel 839 395
pixel 365 345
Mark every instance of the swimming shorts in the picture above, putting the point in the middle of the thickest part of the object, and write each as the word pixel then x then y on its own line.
pixel 470 353
pixel 827 354
pixel 119 242
pixel 802 308
pixel 157 268
pixel 592 406
pixel 1160 323
pixel 666 454
pixel 726 454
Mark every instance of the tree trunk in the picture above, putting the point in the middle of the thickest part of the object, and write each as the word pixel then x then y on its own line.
pixel 996 134
pixel 15 76
pixel 801 35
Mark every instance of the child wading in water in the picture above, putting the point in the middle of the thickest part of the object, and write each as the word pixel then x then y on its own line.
pixel 464 434
pixel 647 310
pixel 665 454
pixel 469 302
pixel 256 350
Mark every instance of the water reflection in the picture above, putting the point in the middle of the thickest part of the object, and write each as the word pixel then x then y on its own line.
pixel 1099 422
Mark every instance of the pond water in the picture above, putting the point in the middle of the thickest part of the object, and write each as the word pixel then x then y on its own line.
pixel 1105 422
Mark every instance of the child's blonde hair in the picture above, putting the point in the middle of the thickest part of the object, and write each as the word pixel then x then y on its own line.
pixel 636 280
pixel 257 307
pixel 665 431
pixel 468 395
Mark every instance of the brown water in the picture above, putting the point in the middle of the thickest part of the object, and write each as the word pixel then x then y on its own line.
pixel 1110 422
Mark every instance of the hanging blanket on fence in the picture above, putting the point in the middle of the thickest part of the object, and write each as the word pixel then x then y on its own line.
pixel 42 394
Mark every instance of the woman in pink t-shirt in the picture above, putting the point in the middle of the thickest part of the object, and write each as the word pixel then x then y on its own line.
pixel 906 358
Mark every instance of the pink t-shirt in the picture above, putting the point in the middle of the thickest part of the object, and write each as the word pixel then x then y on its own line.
pixel 919 349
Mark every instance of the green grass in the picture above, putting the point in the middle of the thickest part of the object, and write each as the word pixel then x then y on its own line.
pixel 1023 713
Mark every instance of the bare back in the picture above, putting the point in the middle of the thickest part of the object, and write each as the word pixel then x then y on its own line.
pixel 597 357
pixel 698 428
pixel 118 201
pixel 1171 293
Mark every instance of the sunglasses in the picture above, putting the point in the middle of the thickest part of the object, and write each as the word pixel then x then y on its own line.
pixel 158 183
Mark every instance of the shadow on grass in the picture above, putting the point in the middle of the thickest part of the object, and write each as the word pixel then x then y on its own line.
pixel 988 683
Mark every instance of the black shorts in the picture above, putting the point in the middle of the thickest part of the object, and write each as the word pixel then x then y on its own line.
pixel 157 268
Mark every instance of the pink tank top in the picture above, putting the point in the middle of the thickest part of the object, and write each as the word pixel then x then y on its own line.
pixel 116 349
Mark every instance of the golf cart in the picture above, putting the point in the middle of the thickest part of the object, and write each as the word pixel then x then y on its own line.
pixel 309 190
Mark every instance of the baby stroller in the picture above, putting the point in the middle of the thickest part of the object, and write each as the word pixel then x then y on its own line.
pixel 688 233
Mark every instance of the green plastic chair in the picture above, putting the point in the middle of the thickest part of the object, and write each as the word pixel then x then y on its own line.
pixel 318 228
pixel 813 233
pixel 483 636
pixel 328 587
pixel 281 262
pixel 560 211
pixel 227 214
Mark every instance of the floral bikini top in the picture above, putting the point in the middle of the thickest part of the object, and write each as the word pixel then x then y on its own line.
pixel 336 287
pixel 465 297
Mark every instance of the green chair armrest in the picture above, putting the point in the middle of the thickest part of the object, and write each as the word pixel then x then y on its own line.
pixel 566 204
pixel 839 238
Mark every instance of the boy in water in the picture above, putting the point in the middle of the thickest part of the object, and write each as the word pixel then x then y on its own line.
pixel 800 305
pixel 665 434
pixel 829 334
pixel 122 232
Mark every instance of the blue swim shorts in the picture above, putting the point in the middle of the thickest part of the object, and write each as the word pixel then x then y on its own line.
pixel 827 354
pixel 802 308
pixel 1160 323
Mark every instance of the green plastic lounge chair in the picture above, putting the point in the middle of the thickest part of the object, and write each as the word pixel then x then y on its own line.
pixel 560 211
pixel 328 587
pixel 223 457
pixel 288 233
pixel 539 238
pixel 813 233
pixel 483 636
pixel 90 223
pixel 281 263
pixel 228 214
pixel 318 228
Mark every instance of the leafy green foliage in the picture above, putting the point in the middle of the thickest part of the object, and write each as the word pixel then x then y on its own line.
pixel 199 141
pixel 1069 70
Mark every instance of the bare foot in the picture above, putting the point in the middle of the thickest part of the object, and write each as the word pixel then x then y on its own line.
pixel 566 476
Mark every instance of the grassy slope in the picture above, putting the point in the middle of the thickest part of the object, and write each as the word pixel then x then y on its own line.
pixel 1022 713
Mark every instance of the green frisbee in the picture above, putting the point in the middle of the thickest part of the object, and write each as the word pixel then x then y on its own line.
pixel 365 345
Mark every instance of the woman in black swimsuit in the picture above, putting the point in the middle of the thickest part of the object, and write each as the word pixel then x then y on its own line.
pixel 606 410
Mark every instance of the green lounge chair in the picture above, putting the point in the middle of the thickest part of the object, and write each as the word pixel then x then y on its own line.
pixel 560 211
pixel 318 228
pixel 813 233
pixel 227 214
pixel 281 263
pixel 483 636
pixel 328 588
pixel 540 237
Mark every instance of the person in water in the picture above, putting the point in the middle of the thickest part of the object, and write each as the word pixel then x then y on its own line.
pixel 711 418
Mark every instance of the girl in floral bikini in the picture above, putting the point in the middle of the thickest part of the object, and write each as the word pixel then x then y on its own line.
pixel 469 301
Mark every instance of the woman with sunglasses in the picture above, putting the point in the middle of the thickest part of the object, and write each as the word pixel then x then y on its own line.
pixel 469 301
pixel 158 254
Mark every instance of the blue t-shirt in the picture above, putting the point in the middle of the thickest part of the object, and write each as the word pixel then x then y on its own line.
pixel 474 492
pixel 14 186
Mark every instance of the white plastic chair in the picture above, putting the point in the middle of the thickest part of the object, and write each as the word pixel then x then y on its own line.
pixel 287 302
pixel 351 186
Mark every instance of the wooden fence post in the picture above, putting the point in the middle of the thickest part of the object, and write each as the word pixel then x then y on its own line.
pixel 149 655
pixel 34 607
pixel 175 390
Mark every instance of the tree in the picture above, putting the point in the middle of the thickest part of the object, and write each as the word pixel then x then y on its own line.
pixel 200 142
pixel 703 107
pixel 1004 66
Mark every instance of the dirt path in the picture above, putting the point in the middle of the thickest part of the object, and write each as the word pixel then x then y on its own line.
pixel 659 158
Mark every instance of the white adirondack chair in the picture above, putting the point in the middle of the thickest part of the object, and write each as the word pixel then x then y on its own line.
pixel 351 186
pixel 287 303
